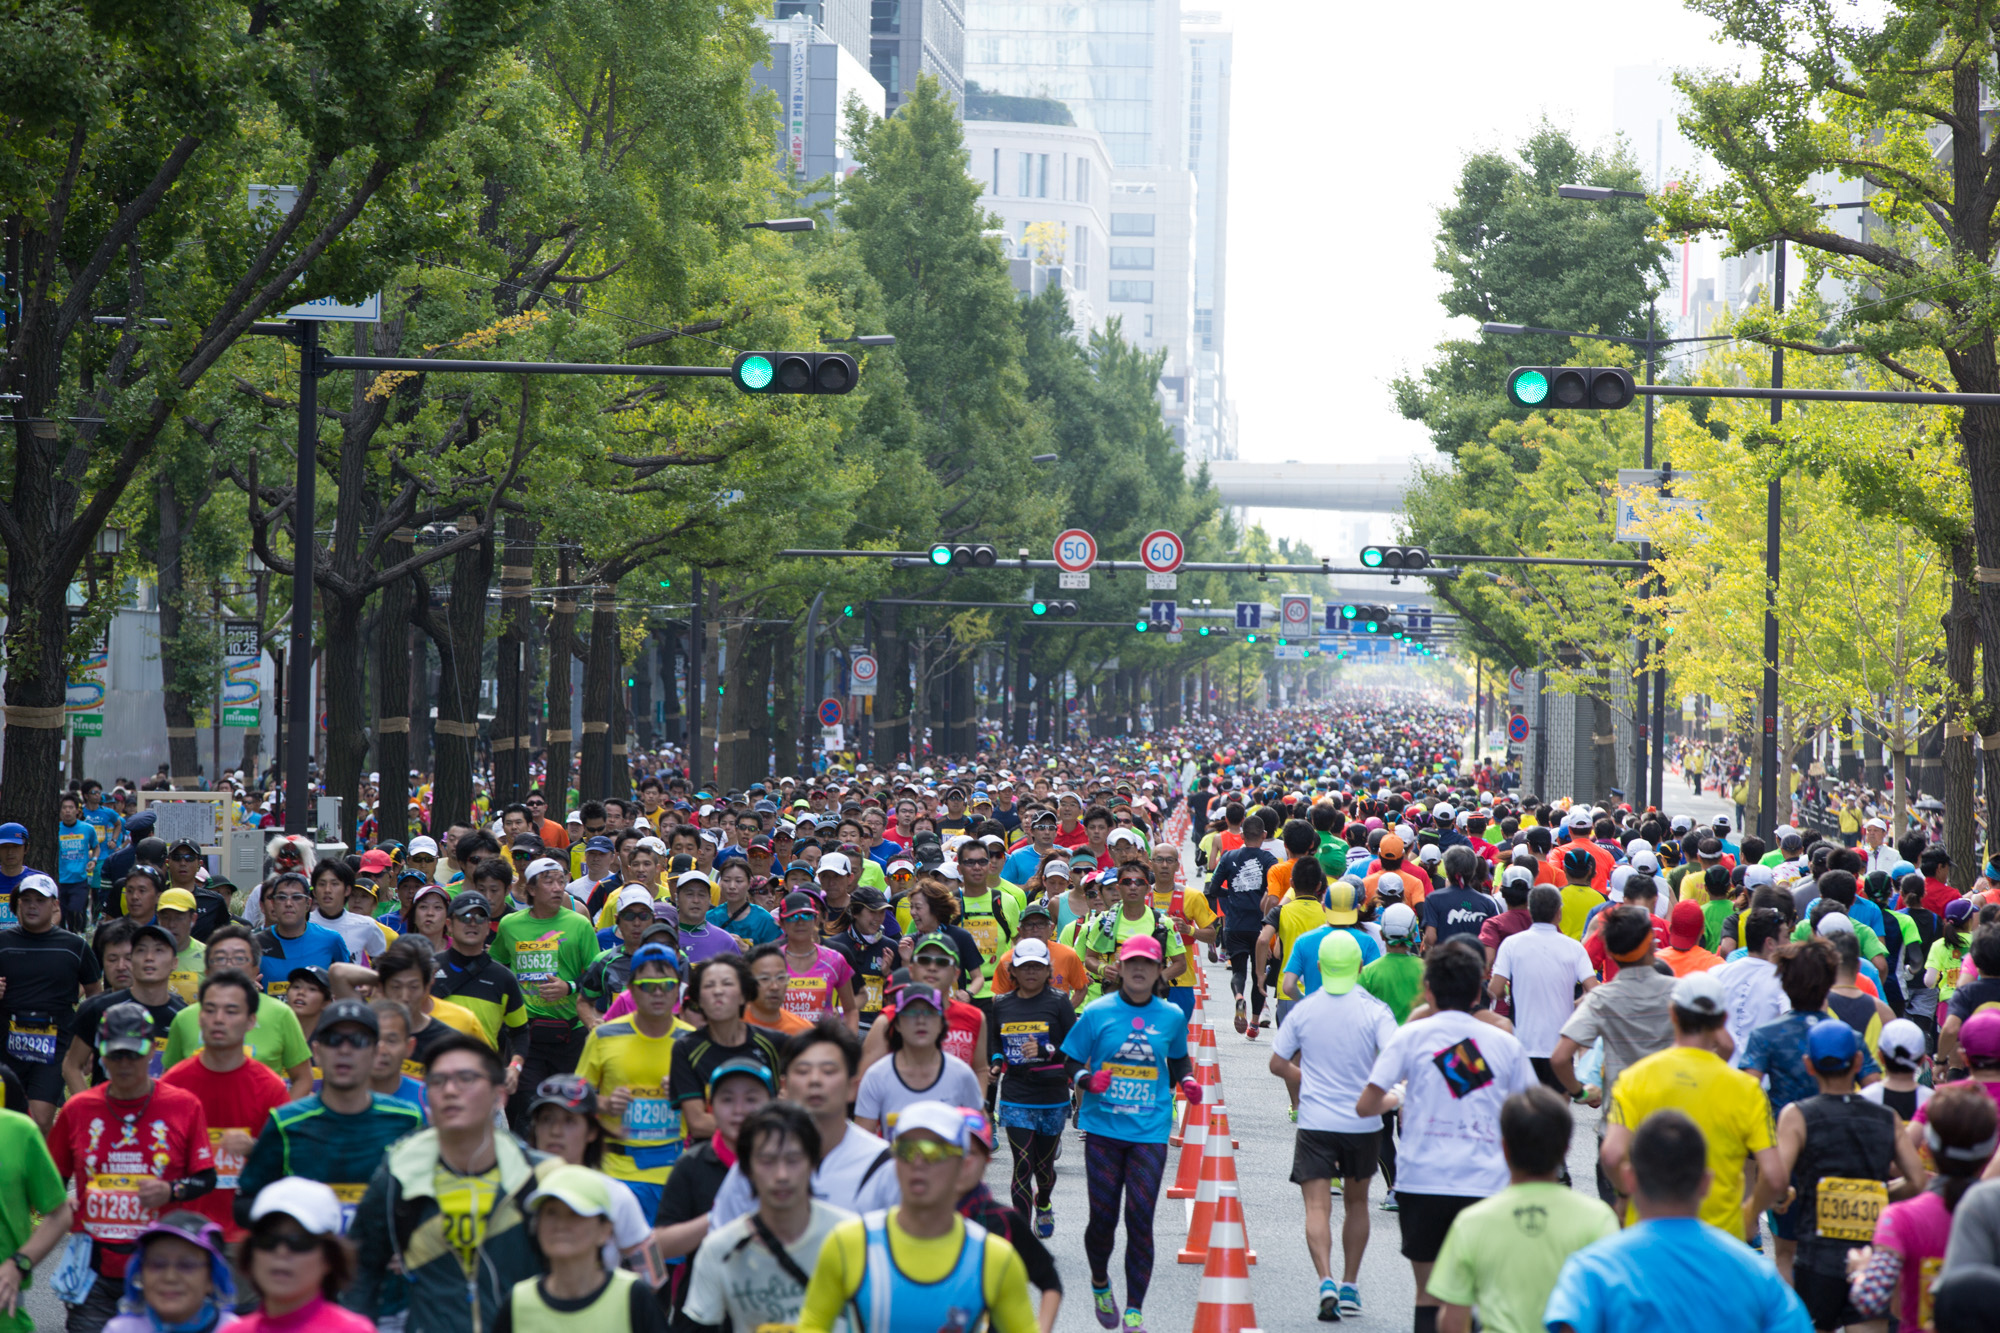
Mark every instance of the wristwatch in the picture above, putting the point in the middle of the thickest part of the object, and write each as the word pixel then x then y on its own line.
pixel 24 1263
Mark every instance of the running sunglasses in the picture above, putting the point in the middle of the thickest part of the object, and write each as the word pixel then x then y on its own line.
pixel 926 1151
pixel 651 984
pixel 292 1242
pixel 333 1041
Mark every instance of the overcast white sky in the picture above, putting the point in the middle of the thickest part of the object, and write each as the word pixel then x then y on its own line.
pixel 1349 126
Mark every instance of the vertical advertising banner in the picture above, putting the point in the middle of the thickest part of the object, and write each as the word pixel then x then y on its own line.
pixel 802 35
pixel 242 656
pixel 89 681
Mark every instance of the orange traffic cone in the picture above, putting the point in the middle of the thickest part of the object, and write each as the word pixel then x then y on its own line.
pixel 1208 1077
pixel 1223 1305
pixel 1216 1198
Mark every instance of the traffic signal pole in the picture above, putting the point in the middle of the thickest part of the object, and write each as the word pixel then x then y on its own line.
pixel 299 744
pixel 1767 817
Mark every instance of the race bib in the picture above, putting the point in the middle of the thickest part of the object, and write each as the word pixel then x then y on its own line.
pixel 184 984
pixel 806 996
pixel 32 1043
pixel 7 917
pixel 534 960
pixel 871 995
pixel 228 1166
pixel 349 1197
pixel 157 1064
pixel 1024 1043
pixel 1133 1087
pixel 111 1208
pixel 1847 1208
pixel 985 932
pixel 1927 1273
pixel 276 990
pixel 413 1069
pixel 650 1120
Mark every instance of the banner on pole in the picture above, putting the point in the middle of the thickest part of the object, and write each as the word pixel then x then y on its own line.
pixel 242 690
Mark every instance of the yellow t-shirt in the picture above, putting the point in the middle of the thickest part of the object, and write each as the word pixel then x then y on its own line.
pixel 1728 1104
pixel 464 1203
pixel 844 1258
pixel 618 1055
pixel 1295 918
pixel 460 1019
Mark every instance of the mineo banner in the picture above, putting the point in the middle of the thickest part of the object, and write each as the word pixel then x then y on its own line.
pixel 242 655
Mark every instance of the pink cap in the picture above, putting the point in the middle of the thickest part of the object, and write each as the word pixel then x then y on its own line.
pixel 1140 946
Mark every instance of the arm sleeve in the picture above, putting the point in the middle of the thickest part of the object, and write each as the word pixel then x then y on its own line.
pixel 1039 1263
pixel 644 1313
pixel 196 1183
pixel 830 1289
pixel 1178 1068
pixel 1007 1294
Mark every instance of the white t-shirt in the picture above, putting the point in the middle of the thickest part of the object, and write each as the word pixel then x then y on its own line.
pixel 735 1275
pixel 1335 1039
pixel 839 1180
pixel 629 1225
pixel 1750 988
pixel 884 1093
pixel 365 939
pixel 1542 968
pixel 1459 1071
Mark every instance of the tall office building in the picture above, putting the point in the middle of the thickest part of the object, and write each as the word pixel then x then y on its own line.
pixel 1117 65
pixel 1207 47
pixel 909 38
pixel 819 58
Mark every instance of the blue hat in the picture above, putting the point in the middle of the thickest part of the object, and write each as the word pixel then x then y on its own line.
pixel 660 953
pixel 600 844
pixel 1831 1046
pixel 13 835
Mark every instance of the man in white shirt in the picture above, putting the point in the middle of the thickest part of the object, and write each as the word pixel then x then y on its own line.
pixel 1881 854
pixel 1458 1071
pixel 822 1072
pixel 1327 1044
pixel 1750 984
pixel 1540 969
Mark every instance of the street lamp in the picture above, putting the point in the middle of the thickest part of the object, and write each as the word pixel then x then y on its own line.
pixel 864 339
pixel 1597 192
pixel 781 224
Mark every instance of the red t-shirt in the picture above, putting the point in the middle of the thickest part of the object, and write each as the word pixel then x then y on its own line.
pixel 962 1026
pixel 1606 965
pixel 241 1099
pixel 1071 838
pixel 106 1147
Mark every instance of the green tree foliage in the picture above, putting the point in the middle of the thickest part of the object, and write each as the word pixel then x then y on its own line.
pixel 1514 252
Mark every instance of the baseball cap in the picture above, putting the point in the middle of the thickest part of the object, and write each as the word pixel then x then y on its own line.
pixel 154 931
pixel 1958 909
pixel 126 1027
pixel 797 905
pixel 1979 1038
pixel 176 900
pixel 1578 819
pixel 799 868
pixel 1399 922
pixel 374 862
pixel 1699 993
pixel 469 905
pixel 1685 925
pixel 837 863
pixel 1031 951
pixel 1831 1046
pixel 1835 923
pixel 633 895
pixel 578 1188
pixel 1518 875
pixel 729 1068
pixel 687 877
pixel 902 865
pixel 867 896
pixel 348 1011
pixel 540 865
pixel 1342 903
pixel 564 1090
pixel 655 953
pixel 1901 1039
pixel 424 846
pixel 600 843
pixel 1141 946
pixel 13 835
pixel 311 1204
pixel 41 884
pixel 1339 962
pixel 1125 835
pixel 1875 824
pixel 318 976
pixel 921 994
pixel 932 1117
pixel 1390 846
pixel 407 874
pixel 938 942
pixel 1037 908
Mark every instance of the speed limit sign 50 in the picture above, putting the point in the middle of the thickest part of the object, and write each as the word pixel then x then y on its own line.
pixel 1075 551
pixel 1161 552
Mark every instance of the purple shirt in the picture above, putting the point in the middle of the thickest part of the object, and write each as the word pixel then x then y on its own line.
pixel 707 943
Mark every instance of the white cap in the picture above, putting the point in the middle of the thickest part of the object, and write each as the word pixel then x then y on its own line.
pixel 692 877
pixel 1834 923
pixel 1579 817
pixel 1030 951
pixel 1757 876
pixel 1125 835
pixel 837 862
pixel 940 1119
pixel 634 895
pixel 1879 824
pixel 949 869
pixel 1399 921
pixel 1442 811
pixel 307 1202
pixel 1517 875
pixel 541 865
pixel 1619 875
pixel 1429 854
pixel 640 822
pixel 653 845
pixel 423 844
pixel 902 863
pixel 1056 869
pixel 1699 993
pixel 1902 1038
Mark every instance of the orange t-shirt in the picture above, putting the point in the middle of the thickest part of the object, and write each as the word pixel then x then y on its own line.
pixel 1065 973
pixel 787 1024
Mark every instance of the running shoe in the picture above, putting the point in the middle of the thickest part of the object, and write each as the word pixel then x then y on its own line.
pixel 1329 1301
pixel 1107 1306
pixel 1295 1115
pixel 1242 1018
pixel 1045 1223
pixel 1251 1031
pixel 1135 1322
pixel 1350 1299
pixel 1389 1202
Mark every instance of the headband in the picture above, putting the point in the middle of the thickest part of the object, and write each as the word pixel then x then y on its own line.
pixel 1976 1152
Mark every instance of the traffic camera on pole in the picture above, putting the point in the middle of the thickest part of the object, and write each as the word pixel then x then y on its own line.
pixel 795 372
pixel 977 555
pixel 1395 557
pixel 1547 387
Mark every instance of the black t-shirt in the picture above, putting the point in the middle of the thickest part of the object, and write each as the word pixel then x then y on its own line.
pixel 45 974
pixel 877 960
pixel 691 1186
pixel 697 1055
pixel 1238 886
pixel 432 1034
pixel 91 1012
pixel 1457 912
pixel 1968 999
pixel 1027 1034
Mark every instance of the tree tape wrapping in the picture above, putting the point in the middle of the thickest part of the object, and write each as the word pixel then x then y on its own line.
pixel 37 719
pixel 392 726
pixel 560 735
pixel 446 728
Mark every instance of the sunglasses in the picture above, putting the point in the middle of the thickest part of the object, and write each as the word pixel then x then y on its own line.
pixel 653 985
pixel 183 856
pixel 979 864
pixel 292 1242
pixel 926 1151
pixel 335 1041
pixel 423 859
pixel 290 898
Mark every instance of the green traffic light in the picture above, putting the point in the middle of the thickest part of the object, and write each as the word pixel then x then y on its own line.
pixel 847 610
pixel 1371 627
pixel 1349 612
pixel 1281 643
pixel 666 583
pixel 1204 631
pixel 1041 608
pixel 755 372
pixel 1529 388
pixel 1140 626
pixel 940 554
pixel 1371 556
pixel 1250 638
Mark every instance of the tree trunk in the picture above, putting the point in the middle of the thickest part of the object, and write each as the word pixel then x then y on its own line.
pixel 392 700
pixel 1604 745
pixel 1018 726
pixel 618 779
pixel 599 668
pixel 892 697
pixel 785 703
pixel 460 649
pixel 1961 629
pixel 512 738
pixel 562 658
pixel 757 681
pixel 176 669
pixel 343 690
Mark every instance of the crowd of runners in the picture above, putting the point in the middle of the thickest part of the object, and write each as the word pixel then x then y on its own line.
pixel 708 1057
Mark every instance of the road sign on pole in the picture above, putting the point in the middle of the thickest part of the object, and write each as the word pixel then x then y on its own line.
pixel 829 712
pixel 1161 552
pixel 1076 551
pixel 1294 614
pixel 1249 615
pixel 862 673
pixel 1517 728
pixel 1163 613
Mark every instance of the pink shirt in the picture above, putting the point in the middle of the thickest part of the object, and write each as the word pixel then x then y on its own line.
pixel 1916 1229
pixel 815 990
pixel 1990 1089
pixel 315 1316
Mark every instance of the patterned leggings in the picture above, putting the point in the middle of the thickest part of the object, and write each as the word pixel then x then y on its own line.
pixel 1111 1166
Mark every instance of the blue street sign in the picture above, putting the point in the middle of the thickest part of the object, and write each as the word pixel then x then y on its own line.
pixel 1163 613
pixel 1249 615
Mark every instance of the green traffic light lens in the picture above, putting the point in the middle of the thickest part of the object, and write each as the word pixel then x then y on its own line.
pixel 1140 626
pixel 1041 608
pixel 1372 557
pixel 1530 387
pixel 847 610
pixel 1371 627
pixel 940 555
pixel 1349 612
pixel 1249 638
pixel 755 372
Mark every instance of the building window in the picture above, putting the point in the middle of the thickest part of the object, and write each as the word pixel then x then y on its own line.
pixel 1131 224
pixel 1042 180
pixel 1149 326
pixel 885 63
pixel 1083 180
pixel 885 16
pixel 1027 180
pixel 1131 256
pixel 1134 291
pixel 1083 259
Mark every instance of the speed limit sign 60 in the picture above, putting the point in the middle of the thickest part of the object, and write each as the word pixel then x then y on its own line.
pixel 1076 551
pixel 1161 552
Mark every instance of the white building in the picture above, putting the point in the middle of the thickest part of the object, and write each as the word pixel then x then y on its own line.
pixel 1051 186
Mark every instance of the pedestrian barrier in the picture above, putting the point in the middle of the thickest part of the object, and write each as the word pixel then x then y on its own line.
pixel 1216 1199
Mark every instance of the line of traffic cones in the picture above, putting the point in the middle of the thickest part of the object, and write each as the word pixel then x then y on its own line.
pixel 1194 1120
pixel 1217 1205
